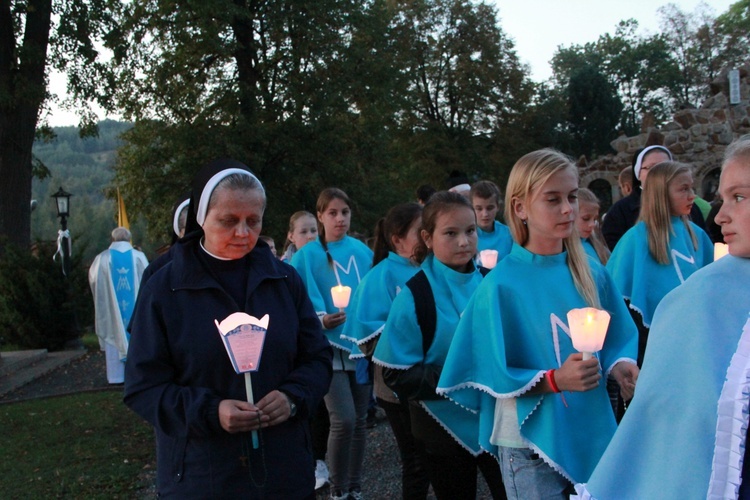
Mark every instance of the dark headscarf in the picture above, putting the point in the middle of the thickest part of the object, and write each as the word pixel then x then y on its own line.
pixel 211 173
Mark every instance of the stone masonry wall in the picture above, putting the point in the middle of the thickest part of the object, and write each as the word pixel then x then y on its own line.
pixel 695 136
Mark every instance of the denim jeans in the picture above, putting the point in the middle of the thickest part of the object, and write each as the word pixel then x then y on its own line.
pixel 347 410
pixel 526 476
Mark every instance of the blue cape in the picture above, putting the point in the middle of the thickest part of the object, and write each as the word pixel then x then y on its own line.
pixel 371 303
pixel 352 259
pixel 499 239
pixel 642 280
pixel 400 344
pixel 683 435
pixel 512 332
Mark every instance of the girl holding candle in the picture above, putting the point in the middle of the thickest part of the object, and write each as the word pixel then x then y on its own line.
pixel 396 237
pixel 663 249
pixel 333 260
pixel 689 440
pixel 303 228
pixel 447 432
pixel 512 352
pixel 587 224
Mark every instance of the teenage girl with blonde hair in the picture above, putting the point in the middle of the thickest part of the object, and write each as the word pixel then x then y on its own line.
pixel 587 224
pixel 512 354
pixel 663 249
pixel 303 228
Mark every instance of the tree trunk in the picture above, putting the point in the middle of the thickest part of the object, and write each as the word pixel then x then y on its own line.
pixel 22 91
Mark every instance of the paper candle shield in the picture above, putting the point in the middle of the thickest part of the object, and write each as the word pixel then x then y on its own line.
pixel 243 337
pixel 340 295
pixel 488 258
pixel 720 250
pixel 588 327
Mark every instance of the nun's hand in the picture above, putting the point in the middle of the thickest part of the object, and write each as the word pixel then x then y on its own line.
pixel 240 416
pixel 276 406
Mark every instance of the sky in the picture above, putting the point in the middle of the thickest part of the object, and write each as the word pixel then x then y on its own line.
pixel 538 27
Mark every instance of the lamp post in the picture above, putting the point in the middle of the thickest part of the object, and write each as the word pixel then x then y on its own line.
pixel 62 201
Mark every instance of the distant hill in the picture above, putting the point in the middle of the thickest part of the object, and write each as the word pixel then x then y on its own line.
pixel 83 167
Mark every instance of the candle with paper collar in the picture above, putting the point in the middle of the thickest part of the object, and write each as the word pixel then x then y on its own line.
pixel 588 327
pixel 488 258
pixel 720 250
pixel 341 296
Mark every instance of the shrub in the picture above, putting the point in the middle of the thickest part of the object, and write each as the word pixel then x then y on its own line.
pixel 39 306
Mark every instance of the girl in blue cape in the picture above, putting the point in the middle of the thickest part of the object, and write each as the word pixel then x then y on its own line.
pixel 396 237
pixel 687 439
pixel 587 224
pixel 447 432
pixel 331 260
pixel 512 354
pixel 663 249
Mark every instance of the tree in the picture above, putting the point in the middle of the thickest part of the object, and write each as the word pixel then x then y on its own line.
pixel 27 34
pixel 593 112
pixel 309 94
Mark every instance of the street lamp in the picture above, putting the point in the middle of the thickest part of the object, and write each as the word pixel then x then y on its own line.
pixel 62 201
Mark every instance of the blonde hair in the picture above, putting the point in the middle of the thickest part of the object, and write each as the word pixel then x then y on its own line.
pixel 292 222
pixel 528 175
pixel 656 211
pixel 596 238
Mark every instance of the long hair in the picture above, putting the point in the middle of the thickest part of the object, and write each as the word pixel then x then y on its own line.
pixel 440 202
pixel 324 198
pixel 397 222
pixel 596 238
pixel 292 221
pixel 528 175
pixel 656 211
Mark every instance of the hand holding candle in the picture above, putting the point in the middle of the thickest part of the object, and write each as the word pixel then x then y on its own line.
pixel 588 327
pixel 720 250
pixel 488 258
pixel 341 296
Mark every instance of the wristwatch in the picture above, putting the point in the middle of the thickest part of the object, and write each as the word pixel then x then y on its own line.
pixel 292 405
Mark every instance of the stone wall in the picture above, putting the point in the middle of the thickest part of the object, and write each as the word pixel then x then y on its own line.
pixel 695 136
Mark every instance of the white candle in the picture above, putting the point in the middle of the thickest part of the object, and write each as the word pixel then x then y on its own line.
pixel 488 258
pixel 720 250
pixel 588 327
pixel 341 296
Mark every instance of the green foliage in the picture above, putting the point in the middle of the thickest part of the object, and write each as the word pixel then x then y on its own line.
pixel 39 306
pixel 373 97
pixel 81 446
pixel 593 111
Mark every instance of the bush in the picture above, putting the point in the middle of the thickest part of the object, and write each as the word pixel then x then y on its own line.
pixel 39 306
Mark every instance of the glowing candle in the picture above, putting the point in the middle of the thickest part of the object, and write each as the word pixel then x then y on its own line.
pixel 720 250
pixel 588 327
pixel 341 296
pixel 488 258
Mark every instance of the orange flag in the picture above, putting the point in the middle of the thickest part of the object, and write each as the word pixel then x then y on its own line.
pixel 122 215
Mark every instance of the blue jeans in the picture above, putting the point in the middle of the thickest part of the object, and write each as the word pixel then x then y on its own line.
pixel 526 476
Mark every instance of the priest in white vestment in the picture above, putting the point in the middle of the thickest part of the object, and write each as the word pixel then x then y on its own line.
pixel 115 276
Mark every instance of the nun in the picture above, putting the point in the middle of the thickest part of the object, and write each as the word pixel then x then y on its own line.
pixel 211 441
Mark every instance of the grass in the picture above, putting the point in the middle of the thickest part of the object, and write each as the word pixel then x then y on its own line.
pixel 82 446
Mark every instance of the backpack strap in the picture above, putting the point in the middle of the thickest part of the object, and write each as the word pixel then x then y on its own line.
pixel 424 303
